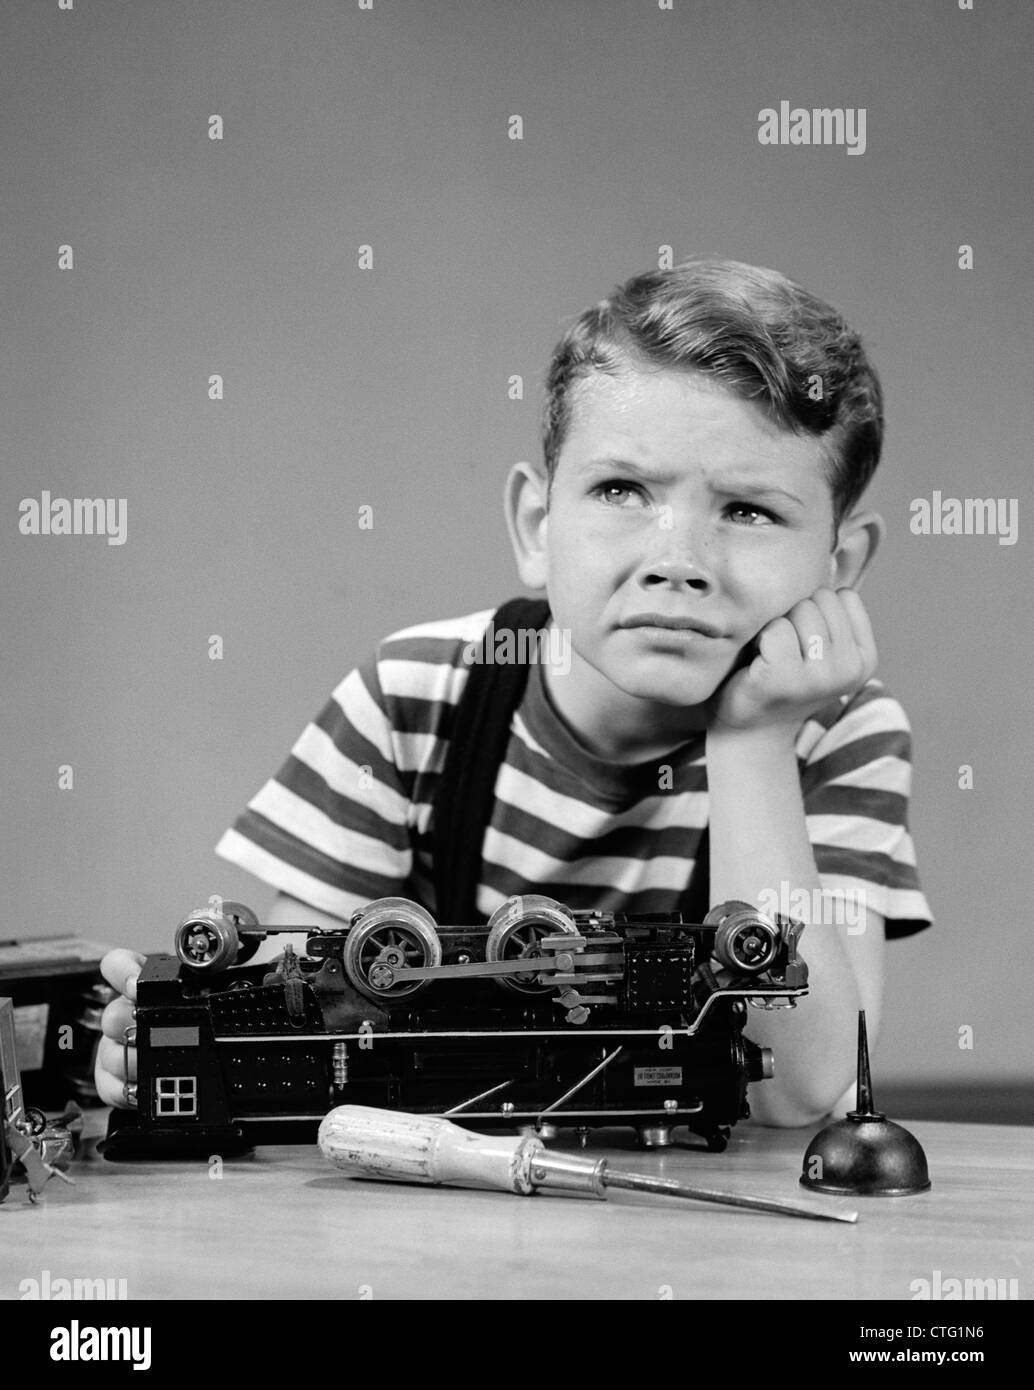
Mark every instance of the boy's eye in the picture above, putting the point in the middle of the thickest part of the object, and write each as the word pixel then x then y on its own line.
pixel 755 514
pixel 605 491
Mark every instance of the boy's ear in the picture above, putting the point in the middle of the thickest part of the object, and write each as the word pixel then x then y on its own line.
pixel 527 520
pixel 858 538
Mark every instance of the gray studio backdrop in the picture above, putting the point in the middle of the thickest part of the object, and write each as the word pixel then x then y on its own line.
pixel 389 126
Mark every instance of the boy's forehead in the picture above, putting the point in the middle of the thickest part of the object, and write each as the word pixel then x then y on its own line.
pixel 672 420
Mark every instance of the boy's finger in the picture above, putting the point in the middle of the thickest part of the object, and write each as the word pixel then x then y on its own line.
pixel 810 623
pixel 110 1060
pixel 860 624
pixel 837 619
pixel 779 642
pixel 116 1018
pixel 121 967
pixel 109 1089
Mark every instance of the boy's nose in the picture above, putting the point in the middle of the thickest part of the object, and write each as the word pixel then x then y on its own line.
pixel 675 570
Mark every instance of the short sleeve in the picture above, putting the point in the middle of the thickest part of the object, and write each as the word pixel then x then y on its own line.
pixel 855 759
pixel 331 828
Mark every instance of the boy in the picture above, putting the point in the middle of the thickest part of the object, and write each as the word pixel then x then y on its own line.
pixel 708 433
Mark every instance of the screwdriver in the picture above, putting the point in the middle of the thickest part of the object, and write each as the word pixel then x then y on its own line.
pixel 368 1143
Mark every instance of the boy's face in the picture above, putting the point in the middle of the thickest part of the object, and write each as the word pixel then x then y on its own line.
pixel 672 497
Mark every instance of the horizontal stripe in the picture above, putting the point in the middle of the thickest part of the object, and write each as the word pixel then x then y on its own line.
pixel 844 762
pixel 386 848
pixel 356 873
pixel 318 772
pixel 869 868
pixel 437 684
pixel 580 817
pixel 273 869
pixel 417 716
pixel 671 832
pixel 525 864
pixel 861 835
pixel 299 801
pixel 848 800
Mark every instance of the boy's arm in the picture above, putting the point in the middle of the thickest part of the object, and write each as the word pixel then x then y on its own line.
pixel 822 648
pixel 759 842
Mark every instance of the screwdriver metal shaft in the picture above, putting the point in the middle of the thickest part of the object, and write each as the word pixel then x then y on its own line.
pixel 667 1187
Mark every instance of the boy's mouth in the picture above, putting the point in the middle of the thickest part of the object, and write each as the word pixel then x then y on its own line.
pixel 667 624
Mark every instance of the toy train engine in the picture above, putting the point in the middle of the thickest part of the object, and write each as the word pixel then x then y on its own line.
pixel 546 1016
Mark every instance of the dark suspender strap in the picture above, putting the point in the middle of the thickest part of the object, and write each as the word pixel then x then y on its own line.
pixel 477 746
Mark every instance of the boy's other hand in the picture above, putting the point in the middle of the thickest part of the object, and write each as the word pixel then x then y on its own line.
pixel 120 968
pixel 821 648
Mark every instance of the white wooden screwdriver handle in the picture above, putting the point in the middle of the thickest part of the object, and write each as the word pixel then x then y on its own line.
pixel 369 1143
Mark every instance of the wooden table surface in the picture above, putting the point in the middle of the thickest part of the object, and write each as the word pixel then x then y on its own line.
pixel 283 1223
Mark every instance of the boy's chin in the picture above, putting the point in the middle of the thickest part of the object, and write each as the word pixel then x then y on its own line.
pixel 680 690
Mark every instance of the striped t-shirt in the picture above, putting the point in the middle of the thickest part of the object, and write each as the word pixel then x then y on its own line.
pixel 348 817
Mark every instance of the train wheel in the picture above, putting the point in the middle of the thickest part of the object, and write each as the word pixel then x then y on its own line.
pixel 515 931
pixel 207 940
pixel 745 939
pixel 389 933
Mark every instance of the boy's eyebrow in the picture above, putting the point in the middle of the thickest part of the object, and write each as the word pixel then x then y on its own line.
pixel 729 488
pixel 756 487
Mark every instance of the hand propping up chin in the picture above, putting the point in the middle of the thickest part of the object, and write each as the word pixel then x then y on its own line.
pixel 821 648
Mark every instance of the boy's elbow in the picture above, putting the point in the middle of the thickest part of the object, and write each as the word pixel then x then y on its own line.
pixel 779 1110
pixel 787 1117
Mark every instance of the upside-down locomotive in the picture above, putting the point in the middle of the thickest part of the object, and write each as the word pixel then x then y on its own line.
pixel 545 1017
